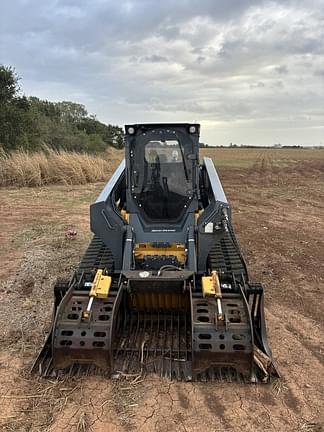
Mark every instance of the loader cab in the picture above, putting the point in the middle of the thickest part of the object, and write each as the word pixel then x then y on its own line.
pixel 162 166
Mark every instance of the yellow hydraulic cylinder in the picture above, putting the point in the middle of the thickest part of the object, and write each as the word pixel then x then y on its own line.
pixel 100 285
pixel 99 289
pixel 211 288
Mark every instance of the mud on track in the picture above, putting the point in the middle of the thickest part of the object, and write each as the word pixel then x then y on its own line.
pixel 278 216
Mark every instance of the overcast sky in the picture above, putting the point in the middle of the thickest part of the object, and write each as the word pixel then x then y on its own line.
pixel 250 72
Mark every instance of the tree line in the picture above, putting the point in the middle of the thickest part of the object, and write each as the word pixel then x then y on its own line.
pixel 30 123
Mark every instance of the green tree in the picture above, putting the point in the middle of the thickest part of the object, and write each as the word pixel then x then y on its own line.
pixel 14 108
pixel 71 112
pixel 9 87
pixel 31 123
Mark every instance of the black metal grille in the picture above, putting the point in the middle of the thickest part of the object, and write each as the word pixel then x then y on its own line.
pixel 157 342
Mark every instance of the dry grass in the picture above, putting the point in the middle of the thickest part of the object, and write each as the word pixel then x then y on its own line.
pixel 21 168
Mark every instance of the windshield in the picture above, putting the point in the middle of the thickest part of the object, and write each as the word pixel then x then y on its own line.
pixel 166 184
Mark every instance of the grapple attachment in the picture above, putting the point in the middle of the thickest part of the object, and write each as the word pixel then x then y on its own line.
pixel 158 323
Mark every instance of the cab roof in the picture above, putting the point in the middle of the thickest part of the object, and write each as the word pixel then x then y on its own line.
pixel 150 126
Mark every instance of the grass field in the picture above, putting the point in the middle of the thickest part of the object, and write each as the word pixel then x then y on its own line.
pixel 251 157
pixel 278 206
pixel 61 167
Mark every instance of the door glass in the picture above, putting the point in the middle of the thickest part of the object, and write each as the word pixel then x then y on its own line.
pixel 166 180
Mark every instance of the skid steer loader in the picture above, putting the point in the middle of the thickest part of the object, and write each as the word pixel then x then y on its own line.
pixel 163 286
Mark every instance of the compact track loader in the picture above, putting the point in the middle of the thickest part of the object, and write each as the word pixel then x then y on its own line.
pixel 163 286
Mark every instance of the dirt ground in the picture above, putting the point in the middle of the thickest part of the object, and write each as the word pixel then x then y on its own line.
pixel 278 212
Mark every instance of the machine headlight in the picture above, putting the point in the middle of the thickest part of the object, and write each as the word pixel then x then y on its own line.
pixel 192 129
pixel 131 130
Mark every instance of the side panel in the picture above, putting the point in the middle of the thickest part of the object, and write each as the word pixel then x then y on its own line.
pixel 211 225
pixel 105 221
pixel 215 182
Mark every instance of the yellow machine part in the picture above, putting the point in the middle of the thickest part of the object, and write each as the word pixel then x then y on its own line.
pixel 101 285
pixel 143 249
pixel 198 213
pixel 125 215
pixel 158 301
pixel 211 285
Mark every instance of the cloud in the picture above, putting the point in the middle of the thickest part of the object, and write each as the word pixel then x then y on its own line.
pixel 281 69
pixel 239 66
pixel 154 58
